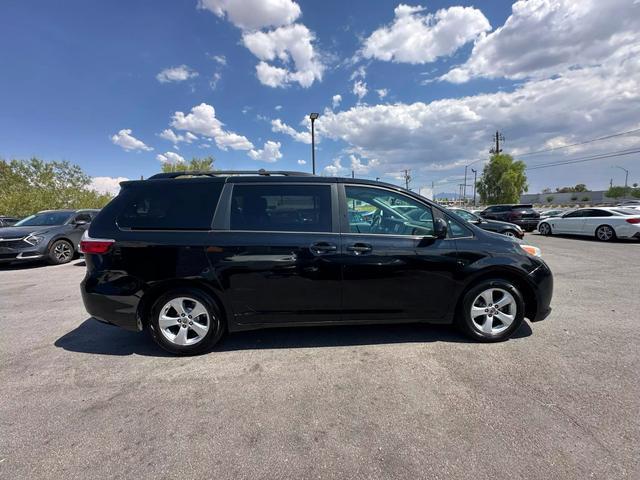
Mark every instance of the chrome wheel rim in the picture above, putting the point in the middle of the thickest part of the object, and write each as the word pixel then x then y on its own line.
pixel 184 321
pixel 493 311
pixel 605 233
pixel 62 252
pixel 509 234
pixel 544 229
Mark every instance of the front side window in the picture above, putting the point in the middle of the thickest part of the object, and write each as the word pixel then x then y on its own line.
pixel 384 212
pixel 281 208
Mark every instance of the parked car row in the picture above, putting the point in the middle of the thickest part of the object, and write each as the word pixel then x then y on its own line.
pixel 50 235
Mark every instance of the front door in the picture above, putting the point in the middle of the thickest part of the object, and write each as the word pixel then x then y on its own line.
pixel 393 269
pixel 277 260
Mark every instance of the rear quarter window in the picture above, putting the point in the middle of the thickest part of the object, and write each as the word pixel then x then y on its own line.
pixel 168 205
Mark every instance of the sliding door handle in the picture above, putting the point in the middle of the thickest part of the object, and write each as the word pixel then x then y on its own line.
pixel 359 248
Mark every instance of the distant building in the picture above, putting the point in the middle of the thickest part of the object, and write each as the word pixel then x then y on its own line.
pixel 571 198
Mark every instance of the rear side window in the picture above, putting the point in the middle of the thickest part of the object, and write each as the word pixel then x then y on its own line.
pixel 169 205
pixel 281 208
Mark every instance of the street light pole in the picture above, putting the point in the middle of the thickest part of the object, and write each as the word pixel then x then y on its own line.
pixel 475 179
pixel 464 191
pixel 626 178
pixel 313 117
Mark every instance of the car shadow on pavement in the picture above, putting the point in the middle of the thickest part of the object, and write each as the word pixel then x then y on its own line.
pixel 92 336
pixel 37 264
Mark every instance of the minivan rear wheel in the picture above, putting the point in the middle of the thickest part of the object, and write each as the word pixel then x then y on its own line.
pixel 492 310
pixel 185 321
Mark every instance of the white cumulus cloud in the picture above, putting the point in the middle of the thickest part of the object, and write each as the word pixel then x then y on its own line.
pixel 175 138
pixel 170 157
pixel 202 121
pixel 335 101
pixel 269 153
pixel 546 37
pixel 359 89
pixel 126 140
pixel 302 162
pixel 176 74
pixel 291 45
pixel 110 185
pixel 254 14
pixel 416 37
pixel 278 125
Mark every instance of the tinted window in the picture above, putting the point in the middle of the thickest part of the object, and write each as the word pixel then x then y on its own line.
pixel 388 213
pixel 82 217
pixel 169 205
pixel 282 208
pixel 468 216
pixel 598 213
pixel 575 214
pixel 45 218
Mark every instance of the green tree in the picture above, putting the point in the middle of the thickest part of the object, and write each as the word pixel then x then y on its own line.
pixel 195 164
pixel 503 180
pixel 617 192
pixel 581 187
pixel 27 186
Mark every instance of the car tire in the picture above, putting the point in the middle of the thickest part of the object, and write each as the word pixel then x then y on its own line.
pixel 605 233
pixel 186 321
pixel 60 252
pixel 491 310
pixel 545 229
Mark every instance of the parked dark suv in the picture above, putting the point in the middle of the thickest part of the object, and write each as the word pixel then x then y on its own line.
pixel 190 256
pixel 51 235
pixel 522 215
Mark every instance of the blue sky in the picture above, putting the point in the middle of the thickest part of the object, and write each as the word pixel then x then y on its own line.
pixel 423 86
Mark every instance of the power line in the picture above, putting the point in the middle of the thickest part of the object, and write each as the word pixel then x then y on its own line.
pixel 601 156
pixel 620 134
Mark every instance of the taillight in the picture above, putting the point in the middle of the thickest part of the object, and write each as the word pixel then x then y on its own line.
pixel 96 246
pixel 633 220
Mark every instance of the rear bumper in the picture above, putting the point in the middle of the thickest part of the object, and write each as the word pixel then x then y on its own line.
pixel 527 224
pixel 119 310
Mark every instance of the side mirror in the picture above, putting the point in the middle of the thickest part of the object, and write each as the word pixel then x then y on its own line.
pixel 440 228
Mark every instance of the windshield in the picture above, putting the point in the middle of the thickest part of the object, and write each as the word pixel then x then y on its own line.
pixel 44 219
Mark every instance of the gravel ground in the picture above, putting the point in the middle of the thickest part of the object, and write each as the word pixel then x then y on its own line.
pixel 84 400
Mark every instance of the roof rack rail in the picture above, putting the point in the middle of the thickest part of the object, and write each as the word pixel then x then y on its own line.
pixel 217 173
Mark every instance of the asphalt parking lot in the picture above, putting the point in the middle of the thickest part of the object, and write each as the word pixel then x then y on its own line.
pixel 560 401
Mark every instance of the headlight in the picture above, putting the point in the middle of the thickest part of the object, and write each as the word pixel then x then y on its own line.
pixel 531 250
pixel 33 239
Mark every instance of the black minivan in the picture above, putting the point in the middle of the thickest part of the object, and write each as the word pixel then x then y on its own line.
pixel 193 255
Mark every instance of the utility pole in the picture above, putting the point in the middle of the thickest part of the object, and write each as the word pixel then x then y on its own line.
pixel 611 183
pixel 433 190
pixel 407 178
pixel 497 138
pixel 353 174
pixel 475 180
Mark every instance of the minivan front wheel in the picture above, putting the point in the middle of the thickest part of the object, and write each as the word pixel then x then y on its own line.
pixel 185 322
pixel 492 310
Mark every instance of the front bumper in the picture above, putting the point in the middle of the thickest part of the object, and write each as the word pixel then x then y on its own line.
pixel 542 279
pixel 7 255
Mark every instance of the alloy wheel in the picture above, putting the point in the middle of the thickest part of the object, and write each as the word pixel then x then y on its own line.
pixel 493 311
pixel 184 321
pixel 605 233
pixel 62 252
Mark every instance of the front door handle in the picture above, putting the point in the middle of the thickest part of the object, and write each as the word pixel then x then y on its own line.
pixel 360 248
pixel 323 247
